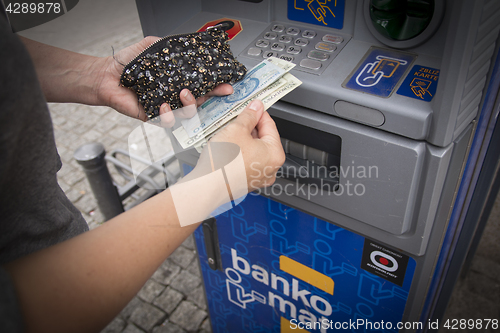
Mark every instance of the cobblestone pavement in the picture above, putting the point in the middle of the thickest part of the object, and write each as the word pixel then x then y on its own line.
pixel 172 300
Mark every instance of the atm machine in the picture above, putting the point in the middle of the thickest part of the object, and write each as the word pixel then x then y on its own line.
pixel 395 105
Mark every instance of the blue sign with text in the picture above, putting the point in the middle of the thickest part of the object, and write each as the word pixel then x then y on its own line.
pixel 326 13
pixel 420 83
pixel 380 71
pixel 284 269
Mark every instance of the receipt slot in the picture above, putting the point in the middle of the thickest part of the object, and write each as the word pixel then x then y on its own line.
pixel 383 139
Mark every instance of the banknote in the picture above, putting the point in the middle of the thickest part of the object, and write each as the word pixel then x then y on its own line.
pixel 291 83
pixel 259 77
pixel 239 108
pixel 186 141
pixel 268 95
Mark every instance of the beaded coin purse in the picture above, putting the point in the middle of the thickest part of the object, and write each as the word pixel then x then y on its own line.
pixel 196 61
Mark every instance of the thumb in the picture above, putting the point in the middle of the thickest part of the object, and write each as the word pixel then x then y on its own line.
pixel 251 115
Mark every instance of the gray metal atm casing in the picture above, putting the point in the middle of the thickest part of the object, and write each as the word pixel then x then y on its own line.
pixel 418 147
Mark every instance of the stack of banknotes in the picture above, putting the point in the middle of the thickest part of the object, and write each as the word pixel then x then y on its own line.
pixel 268 81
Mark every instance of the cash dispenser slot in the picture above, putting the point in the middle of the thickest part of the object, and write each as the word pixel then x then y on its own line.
pixel 312 156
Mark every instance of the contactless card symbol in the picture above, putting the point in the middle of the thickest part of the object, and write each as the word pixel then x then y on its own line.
pixel 421 83
pixel 328 13
pixel 320 10
pixel 379 72
pixel 420 87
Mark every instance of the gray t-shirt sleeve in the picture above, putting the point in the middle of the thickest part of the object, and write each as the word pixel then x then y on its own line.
pixel 10 315
pixel 34 211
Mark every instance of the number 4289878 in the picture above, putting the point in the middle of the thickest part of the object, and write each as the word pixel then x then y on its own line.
pixel 32 8
pixel 461 324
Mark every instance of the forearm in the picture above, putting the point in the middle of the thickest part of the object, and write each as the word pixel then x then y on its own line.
pixel 82 284
pixel 65 76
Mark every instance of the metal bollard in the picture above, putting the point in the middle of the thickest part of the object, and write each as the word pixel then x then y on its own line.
pixel 91 157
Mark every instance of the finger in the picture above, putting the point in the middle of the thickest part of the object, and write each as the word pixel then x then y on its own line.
pixel 167 118
pixel 189 108
pixel 187 97
pixel 250 116
pixel 267 131
pixel 221 90
pixel 255 134
pixel 266 127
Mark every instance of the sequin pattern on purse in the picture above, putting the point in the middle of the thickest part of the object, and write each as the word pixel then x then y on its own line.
pixel 197 61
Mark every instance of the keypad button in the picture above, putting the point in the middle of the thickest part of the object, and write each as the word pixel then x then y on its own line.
pixel 327 47
pixel 270 35
pixel 269 54
pixel 262 43
pixel 293 49
pixel 293 31
pixel 278 28
pixel 310 64
pixel 301 42
pixel 285 39
pixel 277 46
pixel 309 34
pixel 254 51
pixel 333 39
pixel 286 57
pixel 318 55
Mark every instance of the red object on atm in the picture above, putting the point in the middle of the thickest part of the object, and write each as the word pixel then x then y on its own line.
pixel 233 28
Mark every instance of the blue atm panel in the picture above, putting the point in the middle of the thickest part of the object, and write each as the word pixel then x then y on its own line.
pixel 282 268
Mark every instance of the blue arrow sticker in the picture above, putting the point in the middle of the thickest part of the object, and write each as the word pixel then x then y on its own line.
pixel 421 83
pixel 379 72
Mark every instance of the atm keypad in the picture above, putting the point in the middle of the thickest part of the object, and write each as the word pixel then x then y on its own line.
pixel 312 50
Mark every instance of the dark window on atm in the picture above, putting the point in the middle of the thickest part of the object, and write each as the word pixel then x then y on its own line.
pixel 312 156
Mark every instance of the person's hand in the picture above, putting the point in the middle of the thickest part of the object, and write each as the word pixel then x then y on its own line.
pixel 110 93
pixel 167 116
pixel 255 132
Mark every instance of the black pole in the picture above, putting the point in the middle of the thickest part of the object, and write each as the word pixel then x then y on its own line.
pixel 91 157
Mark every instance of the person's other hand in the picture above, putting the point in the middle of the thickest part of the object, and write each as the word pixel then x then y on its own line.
pixel 110 93
pixel 255 132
